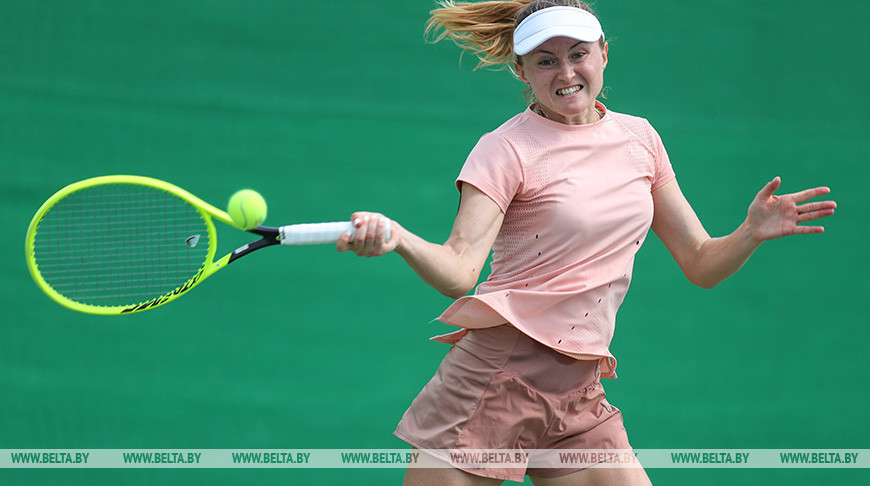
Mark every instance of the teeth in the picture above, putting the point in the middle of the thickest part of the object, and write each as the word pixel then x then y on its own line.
pixel 568 91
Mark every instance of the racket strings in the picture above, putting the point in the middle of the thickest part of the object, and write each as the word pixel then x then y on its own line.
pixel 120 244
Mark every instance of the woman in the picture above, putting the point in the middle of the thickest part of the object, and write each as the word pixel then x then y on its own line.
pixel 563 194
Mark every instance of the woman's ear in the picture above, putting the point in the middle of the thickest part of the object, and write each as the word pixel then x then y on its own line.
pixel 519 70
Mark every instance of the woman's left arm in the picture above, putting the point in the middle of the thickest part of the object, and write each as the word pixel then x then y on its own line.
pixel 708 261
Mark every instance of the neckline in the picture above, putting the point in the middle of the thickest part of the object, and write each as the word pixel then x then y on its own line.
pixel 563 126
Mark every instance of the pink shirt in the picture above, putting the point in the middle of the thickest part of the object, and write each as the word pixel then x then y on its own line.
pixel 577 201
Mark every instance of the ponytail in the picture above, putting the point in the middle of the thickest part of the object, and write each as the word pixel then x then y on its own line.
pixel 484 28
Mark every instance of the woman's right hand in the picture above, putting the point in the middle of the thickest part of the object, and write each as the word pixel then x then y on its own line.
pixel 451 268
pixel 370 238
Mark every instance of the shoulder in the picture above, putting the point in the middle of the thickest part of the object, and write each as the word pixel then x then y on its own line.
pixel 504 138
pixel 637 127
pixel 631 122
pixel 508 129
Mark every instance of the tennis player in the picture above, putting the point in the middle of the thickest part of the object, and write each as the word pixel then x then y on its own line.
pixel 563 194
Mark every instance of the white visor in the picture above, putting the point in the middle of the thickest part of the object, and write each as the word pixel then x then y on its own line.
pixel 551 22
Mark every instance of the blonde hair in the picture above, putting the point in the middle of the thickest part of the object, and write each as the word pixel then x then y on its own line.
pixel 487 28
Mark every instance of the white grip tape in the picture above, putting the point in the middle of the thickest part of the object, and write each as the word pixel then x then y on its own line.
pixel 319 233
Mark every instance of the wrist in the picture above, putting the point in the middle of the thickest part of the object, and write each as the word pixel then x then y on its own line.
pixel 749 233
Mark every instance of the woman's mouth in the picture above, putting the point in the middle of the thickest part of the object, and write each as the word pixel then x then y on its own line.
pixel 565 92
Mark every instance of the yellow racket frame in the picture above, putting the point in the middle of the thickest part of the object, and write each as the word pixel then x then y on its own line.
pixel 206 211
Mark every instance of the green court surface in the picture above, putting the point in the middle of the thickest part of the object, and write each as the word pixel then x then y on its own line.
pixel 330 107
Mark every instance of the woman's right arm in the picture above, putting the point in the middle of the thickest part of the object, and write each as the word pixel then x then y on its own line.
pixel 452 268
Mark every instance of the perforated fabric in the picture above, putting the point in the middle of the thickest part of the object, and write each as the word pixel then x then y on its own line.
pixel 578 205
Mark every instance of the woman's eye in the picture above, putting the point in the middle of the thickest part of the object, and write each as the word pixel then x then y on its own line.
pixel 546 62
pixel 578 55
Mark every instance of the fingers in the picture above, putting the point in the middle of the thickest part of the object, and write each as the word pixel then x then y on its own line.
pixel 813 215
pixel 811 211
pixel 814 210
pixel 808 230
pixel 767 191
pixel 808 194
pixel 817 206
pixel 806 212
pixel 369 236
pixel 798 197
pixel 344 241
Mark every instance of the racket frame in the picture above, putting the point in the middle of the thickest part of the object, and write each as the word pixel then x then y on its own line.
pixel 206 211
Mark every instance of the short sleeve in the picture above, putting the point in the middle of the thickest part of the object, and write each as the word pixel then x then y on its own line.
pixel 494 167
pixel 664 172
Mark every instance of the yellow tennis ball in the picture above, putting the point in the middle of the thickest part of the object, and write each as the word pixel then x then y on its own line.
pixel 247 208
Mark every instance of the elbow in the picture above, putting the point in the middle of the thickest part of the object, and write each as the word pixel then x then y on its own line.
pixel 460 287
pixel 700 274
pixel 704 281
pixel 455 295
pixel 458 291
pixel 458 275
pixel 706 285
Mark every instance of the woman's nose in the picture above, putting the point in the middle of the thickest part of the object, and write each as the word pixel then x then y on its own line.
pixel 566 71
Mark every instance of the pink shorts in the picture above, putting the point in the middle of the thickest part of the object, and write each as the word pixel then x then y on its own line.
pixel 498 389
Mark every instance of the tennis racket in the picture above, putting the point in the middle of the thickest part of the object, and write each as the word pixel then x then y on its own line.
pixel 123 244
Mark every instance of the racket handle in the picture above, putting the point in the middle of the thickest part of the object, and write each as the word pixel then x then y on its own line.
pixel 318 233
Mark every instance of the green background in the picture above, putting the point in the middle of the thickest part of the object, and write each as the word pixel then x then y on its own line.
pixel 330 107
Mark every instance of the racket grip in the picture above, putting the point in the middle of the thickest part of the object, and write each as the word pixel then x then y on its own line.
pixel 318 233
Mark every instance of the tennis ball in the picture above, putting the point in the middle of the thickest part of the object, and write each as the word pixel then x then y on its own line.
pixel 247 208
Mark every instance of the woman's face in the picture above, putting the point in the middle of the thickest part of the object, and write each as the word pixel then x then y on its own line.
pixel 566 76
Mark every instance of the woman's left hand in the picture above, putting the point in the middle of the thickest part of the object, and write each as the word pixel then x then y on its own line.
pixel 772 217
